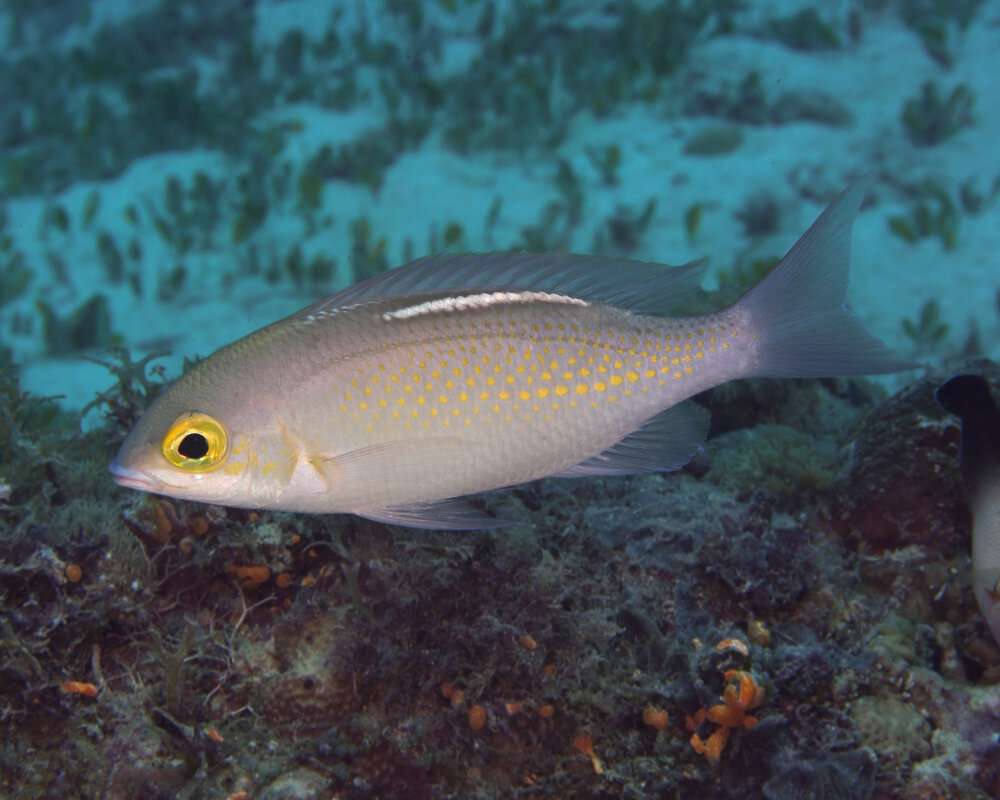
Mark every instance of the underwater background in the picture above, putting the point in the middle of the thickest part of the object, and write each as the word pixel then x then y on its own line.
pixel 789 616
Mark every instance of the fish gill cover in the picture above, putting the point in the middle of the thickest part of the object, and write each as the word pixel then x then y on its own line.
pixel 790 615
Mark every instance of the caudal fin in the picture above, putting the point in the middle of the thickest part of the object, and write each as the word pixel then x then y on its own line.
pixel 804 329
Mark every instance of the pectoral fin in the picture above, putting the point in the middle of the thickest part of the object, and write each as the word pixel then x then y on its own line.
pixel 367 472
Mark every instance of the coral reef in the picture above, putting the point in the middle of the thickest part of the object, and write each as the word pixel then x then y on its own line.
pixel 689 635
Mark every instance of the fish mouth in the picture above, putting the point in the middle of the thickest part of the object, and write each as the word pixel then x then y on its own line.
pixel 134 479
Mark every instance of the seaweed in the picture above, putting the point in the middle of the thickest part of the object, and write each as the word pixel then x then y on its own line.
pixel 939 24
pixel 289 54
pixel 87 327
pixel 369 255
pixel 625 228
pixel 111 257
pixel 810 105
pixel 137 383
pixel 692 220
pixel 759 215
pixel 492 217
pixel 553 231
pixel 170 283
pixel 27 424
pixel 552 71
pixel 189 215
pixel 15 276
pixel 714 140
pixel 606 160
pixel 744 102
pixel 252 204
pixel 806 30
pixel 928 330
pixel 935 214
pixel 931 118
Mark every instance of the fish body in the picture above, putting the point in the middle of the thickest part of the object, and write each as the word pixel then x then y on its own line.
pixel 460 374
pixel 969 397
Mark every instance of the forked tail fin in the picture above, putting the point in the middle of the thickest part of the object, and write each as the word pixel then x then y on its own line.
pixel 804 329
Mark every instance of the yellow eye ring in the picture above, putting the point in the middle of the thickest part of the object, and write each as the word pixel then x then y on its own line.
pixel 195 442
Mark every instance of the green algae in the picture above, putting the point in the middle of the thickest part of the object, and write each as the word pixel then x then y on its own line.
pixel 933 117
pixel 806 30
pixel 714 140
pixel 778 459
pixel 928 330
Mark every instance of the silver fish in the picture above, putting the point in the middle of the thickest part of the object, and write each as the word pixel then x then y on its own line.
pixel 460 374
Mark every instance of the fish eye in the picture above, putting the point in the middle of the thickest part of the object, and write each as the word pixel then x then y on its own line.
pixel 195 442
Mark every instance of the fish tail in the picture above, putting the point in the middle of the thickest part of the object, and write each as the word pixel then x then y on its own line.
pixel 797 311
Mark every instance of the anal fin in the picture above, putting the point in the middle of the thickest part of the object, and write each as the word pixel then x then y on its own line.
pixel 455 515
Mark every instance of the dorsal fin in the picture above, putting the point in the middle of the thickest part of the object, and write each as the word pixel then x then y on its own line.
pixel 638 286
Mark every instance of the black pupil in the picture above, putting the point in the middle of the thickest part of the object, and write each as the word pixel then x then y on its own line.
pixel 193 446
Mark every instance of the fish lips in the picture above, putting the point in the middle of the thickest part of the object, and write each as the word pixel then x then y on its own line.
pixel 134 479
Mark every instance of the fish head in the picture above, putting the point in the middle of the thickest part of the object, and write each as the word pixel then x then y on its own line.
pixel 207 440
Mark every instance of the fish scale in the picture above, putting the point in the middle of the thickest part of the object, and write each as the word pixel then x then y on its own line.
pixel 460 374
pixel 534 383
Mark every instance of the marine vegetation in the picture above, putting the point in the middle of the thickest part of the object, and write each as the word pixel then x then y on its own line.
pixel 934 214
pixel 928 330
pixel 625 637
pixel 933 118
pixel 791 614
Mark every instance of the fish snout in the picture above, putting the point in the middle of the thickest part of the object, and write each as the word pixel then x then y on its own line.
pixel 134 479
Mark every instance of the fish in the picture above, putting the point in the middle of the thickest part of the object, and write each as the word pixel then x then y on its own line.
pixel 968 397
pixel 399 396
